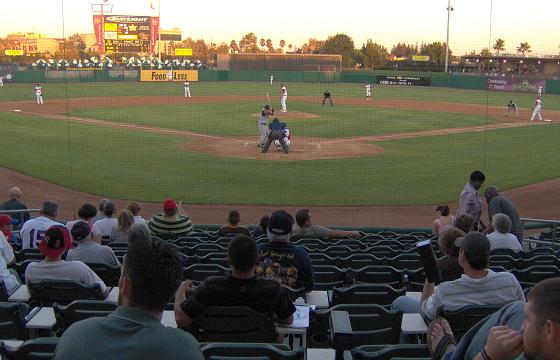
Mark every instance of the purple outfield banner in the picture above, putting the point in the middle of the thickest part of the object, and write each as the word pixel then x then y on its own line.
pixel 516 85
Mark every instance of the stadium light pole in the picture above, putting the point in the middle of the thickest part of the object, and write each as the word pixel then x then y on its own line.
pixel 449 10
pixel 159 29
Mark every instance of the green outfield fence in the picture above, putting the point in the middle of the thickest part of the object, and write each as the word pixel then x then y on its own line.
pixel 438 79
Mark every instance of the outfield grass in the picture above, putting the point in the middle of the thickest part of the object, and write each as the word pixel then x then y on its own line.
pixel 16 92
pixel 238 119
pixel 143 166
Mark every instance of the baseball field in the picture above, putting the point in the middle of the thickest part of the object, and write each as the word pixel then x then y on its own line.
pixel 145 141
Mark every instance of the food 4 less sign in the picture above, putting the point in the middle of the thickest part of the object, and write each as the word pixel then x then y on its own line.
pixel 169 75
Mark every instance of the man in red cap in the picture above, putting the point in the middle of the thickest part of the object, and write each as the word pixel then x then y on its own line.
pixel 56 241
pixel 6 223
pixel 170 224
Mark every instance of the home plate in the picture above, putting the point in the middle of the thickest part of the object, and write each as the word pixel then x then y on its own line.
pixel 17 110
pixel 547 120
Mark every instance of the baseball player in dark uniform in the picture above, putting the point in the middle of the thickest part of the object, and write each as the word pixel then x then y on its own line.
pixel 512 107
pixel 276 132
pixel 327 97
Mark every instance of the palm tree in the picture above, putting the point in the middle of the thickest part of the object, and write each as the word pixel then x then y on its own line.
pixel 523 48
pixel 499 45
pixel 262 43
pixel 282 44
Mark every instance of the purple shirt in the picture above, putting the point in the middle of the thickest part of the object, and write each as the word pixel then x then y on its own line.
pixel 470 203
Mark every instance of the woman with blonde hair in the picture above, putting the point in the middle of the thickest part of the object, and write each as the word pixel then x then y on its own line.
pixel 124 222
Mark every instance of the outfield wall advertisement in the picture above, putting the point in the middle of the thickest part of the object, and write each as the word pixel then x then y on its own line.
pixel 404 80
pixel 515 85
pixel 169 75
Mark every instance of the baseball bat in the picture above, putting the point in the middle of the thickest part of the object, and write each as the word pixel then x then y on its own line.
pixel 268 98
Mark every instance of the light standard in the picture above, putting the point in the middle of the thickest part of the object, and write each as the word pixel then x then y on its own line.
pixel 449 10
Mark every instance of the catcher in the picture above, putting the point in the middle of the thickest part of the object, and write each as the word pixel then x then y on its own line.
pixel 327 96
pixel 276 133
pixel 287 138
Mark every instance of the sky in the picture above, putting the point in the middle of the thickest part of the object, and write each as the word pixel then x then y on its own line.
pixel 386 22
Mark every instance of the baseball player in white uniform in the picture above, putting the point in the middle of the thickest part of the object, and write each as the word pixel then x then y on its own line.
pixel 539 91
pixel 1 81
pixel 537 109
pixel 271 79
pixel 368 91
pixel 187 87
pixel 283 97
pixel 39 94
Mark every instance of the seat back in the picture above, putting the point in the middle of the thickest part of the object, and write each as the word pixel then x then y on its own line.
pixel 327 276
pixel 198 272
pixel 381 352
pixel 48 292
pixel 530 276
pixel 463 319
pixel 366 294
pixel 109 274
pixel 235 351
pixel 12 320
pixel 36 349
pixel 234 324
pixel 80 310
pixel 376 274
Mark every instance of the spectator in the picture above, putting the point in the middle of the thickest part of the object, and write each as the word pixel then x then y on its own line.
pixel 280 260
pixel 89 250
pixel 86 213
pixel 6 224
pixel 465 223
pixel 102 228
pixel 501 238
pixel 448 267
pixel 11 282
pixel 306 228
pixel 477 286
pixel 530 328
pixel 470 202
pixel 55 242
pixel 15 204
pixel 240 288
pixel 234 218
pixel 151 272
pixel 134 208
pixel 169 223
pixel 33 231
pixel 100 213
pixel 444 220
pixel 499 204
pixel 260 229
pixel 124 222
pixel 138 231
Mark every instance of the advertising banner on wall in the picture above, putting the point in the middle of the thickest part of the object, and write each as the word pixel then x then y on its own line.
pixel 98 30
pixel 169 75
pixel 515 85
pixel 404 80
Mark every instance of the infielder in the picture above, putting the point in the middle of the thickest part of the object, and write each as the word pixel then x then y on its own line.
pixel 368 91
pixel 287 138
pixel 1 81
pixel 187 87
pixel 39 94
pixel 283 97
pixel 539 90
pixel 327 97
pixel 263 124
pixel 512 107
pixel 537 109
pixel 271 79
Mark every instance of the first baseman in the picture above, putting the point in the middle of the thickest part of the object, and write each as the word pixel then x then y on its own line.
pixel 187 87
pixel 537 109
pixel 512 107
pixel 283 97
pixel 39 94
pixel 368 91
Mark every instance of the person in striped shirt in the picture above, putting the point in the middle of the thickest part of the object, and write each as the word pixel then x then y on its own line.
pixel 170 224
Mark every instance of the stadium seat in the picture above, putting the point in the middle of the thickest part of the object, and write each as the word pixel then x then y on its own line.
pixel 530 276
pixel 36 349
pixel 322 259
pixel 463 319
pixel 80 310
pixel 234 324
pixel 371 324
pixel 47 292
pixel 506 261
pixel 236 351
pixel 358 261
pixel 28 254
pixel 403 351
pixel 378 274
pixel 327 277
pixel 409 261
pixel 204 249
pixel 507 252
pixel 366 294
pixel 109 274
pixel 198 272
pixel 414 280
pixel 118 245
pixel 12 320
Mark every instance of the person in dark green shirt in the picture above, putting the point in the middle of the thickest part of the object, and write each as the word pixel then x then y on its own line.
pixel 151 272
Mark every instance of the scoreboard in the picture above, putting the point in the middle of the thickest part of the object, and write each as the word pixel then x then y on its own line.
pixel 120 34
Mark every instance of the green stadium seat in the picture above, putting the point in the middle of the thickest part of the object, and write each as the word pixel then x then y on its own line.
pixel 36 349
pixel 236 351
pixel 380 352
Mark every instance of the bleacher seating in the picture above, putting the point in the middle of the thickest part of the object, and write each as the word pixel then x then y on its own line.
pixel 381 294
pixel 79 310
pixel 35 349
pixel 236 351
pixel 47 292
pixel 12 320
pixel 403 351
pixel 463 319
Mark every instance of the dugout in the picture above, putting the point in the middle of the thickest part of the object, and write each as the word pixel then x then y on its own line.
pixel 280 62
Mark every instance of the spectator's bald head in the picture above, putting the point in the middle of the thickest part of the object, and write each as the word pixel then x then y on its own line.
pixel 15 193
pixel 490 193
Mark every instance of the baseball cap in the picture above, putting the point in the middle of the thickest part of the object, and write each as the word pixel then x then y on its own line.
pixel 280 223
pixel 474 244
pixel 7 220
pixel 169 204
pixel 56 241
pixel 80 230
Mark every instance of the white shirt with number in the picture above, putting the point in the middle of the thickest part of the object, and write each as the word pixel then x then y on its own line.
pixel 33 231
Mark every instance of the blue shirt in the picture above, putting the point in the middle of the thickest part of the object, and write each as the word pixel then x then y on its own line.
pixel 287 263
pixel 276 126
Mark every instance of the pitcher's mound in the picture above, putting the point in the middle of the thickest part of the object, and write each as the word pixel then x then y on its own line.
pixel 290 115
